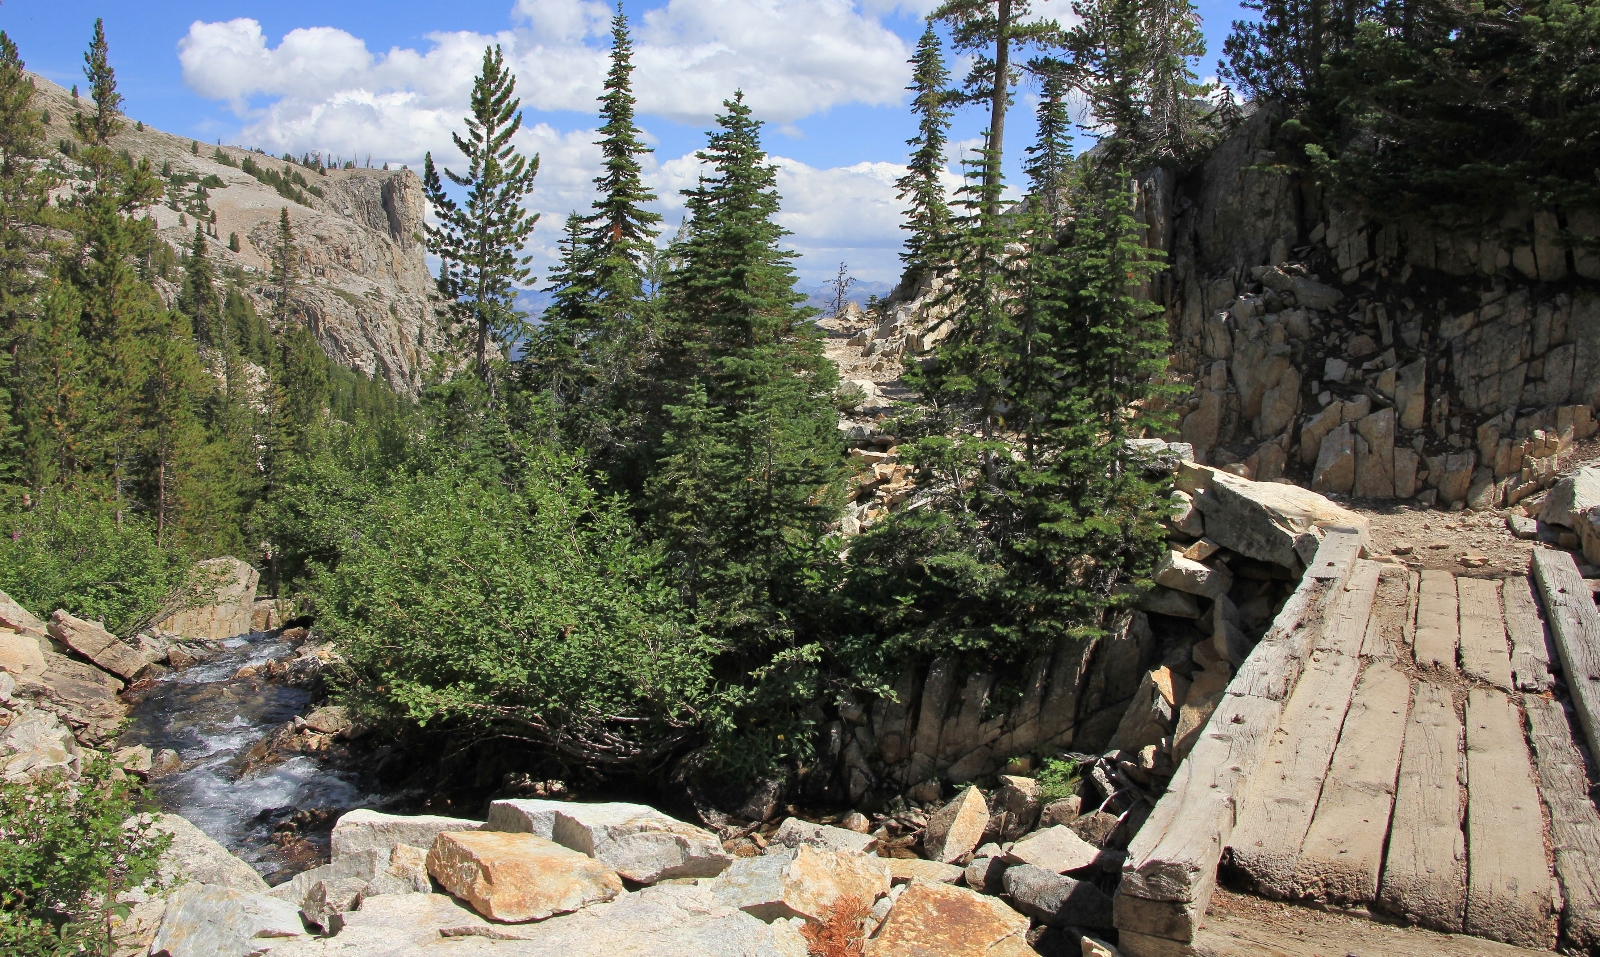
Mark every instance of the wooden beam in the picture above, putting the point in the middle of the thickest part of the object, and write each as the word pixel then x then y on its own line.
pixel 1530 643
pixel 1174 856
pixel 1424 876
pixel 1484 653
pixel 1342 856
pixel 1437 628
pixel 1575 625
pixel 1277 812
pixel 1574 825
pixel 1508 876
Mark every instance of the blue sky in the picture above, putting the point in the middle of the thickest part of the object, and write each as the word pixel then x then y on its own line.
pixel 389 78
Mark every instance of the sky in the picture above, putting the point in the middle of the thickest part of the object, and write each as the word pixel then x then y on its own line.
pixel 390 79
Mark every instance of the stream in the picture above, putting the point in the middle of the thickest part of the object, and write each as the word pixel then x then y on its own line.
pixel 212 719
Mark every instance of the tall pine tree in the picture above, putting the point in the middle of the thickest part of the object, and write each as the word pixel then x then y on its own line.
pixel 197 299
pixel 928 216
pixel 991 30
pixel 747 469
pixel 479 241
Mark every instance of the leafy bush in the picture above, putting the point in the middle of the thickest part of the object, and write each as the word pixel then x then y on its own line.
pixel 1058 778
pixel 66 852
pixel 522 606
pixel 71 551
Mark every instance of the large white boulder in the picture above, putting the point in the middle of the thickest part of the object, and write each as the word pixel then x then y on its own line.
pixel 1267 521
pixel 207 921
pixel 638 842
pixel 366 829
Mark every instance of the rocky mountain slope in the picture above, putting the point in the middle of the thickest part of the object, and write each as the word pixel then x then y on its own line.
pixel 364 286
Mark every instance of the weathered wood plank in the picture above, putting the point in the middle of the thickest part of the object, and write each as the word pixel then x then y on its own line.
pixel 1337 553
pixel 1484 653
pixel 1276 814
pixel 1574 825
pixel 1424 875
pixel 1342 856
pixel 1194 820
pixel 1437 629
pixel 1575 625
pixel 1384 626
pixel 1174 857
pixel 1530 643
pixel 1508 876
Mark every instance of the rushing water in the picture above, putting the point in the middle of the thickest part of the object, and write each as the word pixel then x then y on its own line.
pixel 212 719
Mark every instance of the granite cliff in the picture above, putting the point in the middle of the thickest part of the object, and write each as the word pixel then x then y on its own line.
pixel 364 286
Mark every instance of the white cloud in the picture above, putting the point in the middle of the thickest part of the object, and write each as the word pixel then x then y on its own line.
pixel 323 89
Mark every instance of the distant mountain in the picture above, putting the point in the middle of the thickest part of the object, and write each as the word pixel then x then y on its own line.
pixel 821 296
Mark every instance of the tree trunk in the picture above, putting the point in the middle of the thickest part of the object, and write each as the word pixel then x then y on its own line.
pixel 997 110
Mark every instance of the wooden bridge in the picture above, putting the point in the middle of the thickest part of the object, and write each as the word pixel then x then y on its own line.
pixel 1396 744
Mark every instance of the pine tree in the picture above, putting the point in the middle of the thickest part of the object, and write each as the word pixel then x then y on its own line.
pixel 568 324
pixel 24 203
pixel 285 269
pixel 1133 58
pixel 479 244
pixel 176 440
pixel 197 299
pixel 1085 371
pixel 621 230
pixel 928 216
pixel 747 470
pixel 1050 157
pixel 989 29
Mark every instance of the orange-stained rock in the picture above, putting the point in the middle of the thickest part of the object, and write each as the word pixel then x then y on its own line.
pixel 518 877
pixel 800 882
pixel 949 921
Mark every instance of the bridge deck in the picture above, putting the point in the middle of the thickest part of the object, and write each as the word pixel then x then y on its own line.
pixel 1421 768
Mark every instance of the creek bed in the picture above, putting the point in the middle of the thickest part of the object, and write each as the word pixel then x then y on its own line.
pixel 212 720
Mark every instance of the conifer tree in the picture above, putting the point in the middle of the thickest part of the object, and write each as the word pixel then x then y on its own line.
pixel 568 325
pixel 197 299
pixel 285 268
pixel 1134 64
pixel 928 216
pixel 479 243
pixel 1050 157
pixel 176 439
pixel 989 30
pixel 745 477
pixel 24 192
pixel 621 230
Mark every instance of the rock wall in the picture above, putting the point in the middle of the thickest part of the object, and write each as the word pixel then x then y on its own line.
pixel 364 288
pixel 1450 364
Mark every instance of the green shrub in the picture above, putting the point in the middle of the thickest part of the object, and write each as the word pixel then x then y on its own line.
pixel 71 551
pixel 66 852
pixel 522 607
pixel 1058 778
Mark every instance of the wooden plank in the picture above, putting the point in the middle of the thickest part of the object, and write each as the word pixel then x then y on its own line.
pixel 1530 643
pixel 1437 629
pixel 1337 553
pixel 1174 856
pixel 1508 876
pixel 1342 856
pixel 1575 625
pixel 1484 652
pixel 1385 629
pixel 1508 872
pixel 1194 820
pixel 1277 812
pixel 1574 825
pixel 1424 875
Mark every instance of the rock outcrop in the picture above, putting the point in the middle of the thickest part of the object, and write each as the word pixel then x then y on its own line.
pixel 364 287
pixel 225 592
